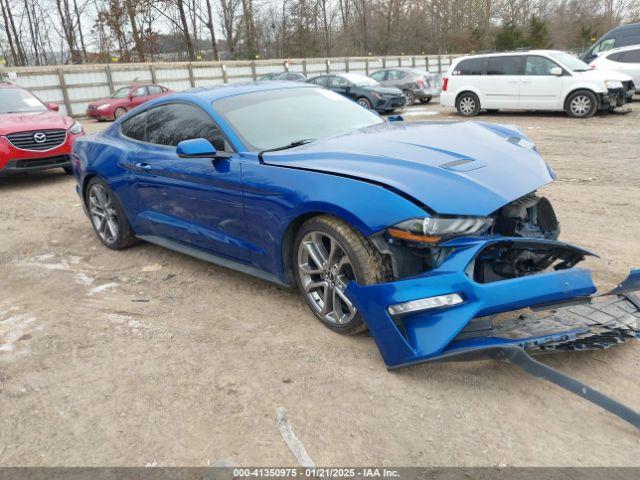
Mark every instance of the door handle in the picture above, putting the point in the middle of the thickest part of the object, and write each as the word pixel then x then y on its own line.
pixel 142 166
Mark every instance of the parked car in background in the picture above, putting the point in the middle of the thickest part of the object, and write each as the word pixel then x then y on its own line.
pixel 623 36
pixel 533 80
pixel 33 135
pixel 365 91
pixel 123 100
pixel 625 60
pixel 288 76
pixel 415 84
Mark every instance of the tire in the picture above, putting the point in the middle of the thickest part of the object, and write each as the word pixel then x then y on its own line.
pixel 68 170
pixel 120 111
pixel 364 102
pixel 468 104
pixel 581 104
pixel 342 255
pixel 425 100
pixel 116 238
pixel 410 97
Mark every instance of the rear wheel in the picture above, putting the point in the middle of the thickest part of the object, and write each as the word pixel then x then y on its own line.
pixel 581 104
pixel 329 254
pixel 107 216
pixel 468 104
pixel 425 100
pixel 410 97
pixel 363 102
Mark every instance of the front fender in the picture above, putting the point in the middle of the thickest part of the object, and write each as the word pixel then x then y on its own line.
pixel 278 197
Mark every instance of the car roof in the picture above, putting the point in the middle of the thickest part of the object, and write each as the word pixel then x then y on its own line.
pixel 10 85
pixel 510 54
pixel 216 92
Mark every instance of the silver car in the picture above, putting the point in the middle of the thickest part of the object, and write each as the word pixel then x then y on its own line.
pixel 416 84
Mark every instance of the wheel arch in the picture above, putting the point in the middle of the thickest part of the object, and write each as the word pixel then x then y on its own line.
pixel 294 225
pixel 468 90
pixel 580 88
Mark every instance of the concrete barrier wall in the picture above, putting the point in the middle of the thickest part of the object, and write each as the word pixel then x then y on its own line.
pixel 74 86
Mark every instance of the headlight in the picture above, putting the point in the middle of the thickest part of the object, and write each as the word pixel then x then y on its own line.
pixel 435 229
pixel 428 303
pixel 613 84
pixel 76 128
pixel 103 106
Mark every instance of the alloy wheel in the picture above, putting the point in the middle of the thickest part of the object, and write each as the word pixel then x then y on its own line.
pixel 467 105
pixel 410 97
pixel 103 214
pixel 325 271
pixel 363 103
pixel 580 105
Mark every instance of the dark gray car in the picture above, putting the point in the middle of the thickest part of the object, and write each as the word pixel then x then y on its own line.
pixel 415 84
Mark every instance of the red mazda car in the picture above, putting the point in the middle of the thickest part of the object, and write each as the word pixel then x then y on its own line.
pixel 33 135
pixel 123 100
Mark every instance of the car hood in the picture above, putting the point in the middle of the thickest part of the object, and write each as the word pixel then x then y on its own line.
pixel 604 75
pixel 459 168
pixel 18 122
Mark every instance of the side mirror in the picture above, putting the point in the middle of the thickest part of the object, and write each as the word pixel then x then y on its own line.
pixel 53 107
pixel 557 71
pixel 198 148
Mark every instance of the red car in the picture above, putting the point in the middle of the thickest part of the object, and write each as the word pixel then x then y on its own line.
pixel 33 136
pixel 123 100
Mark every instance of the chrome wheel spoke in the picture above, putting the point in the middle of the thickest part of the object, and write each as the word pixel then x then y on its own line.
pixel 325 271
pixel 103 216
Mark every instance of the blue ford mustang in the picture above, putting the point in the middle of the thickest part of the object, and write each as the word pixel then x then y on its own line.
pixel 420 232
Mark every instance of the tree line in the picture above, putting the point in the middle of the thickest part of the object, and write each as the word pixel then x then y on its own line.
pixel 42 32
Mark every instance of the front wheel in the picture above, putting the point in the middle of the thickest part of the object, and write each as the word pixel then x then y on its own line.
pixel 363 102
pixel 328 254
pixel 468 104
pixel 120 111
pixel 410 97
pixel 425 100
pixel 581 104
pixel 107 216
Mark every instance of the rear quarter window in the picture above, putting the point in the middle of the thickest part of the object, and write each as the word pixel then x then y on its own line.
pixel 470 66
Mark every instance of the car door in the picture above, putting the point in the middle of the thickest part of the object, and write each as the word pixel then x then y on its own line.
pixel 380 76
pixel 539 89
pixel 197 201
pixel 501 84
pixel 138 96
pixel 342 86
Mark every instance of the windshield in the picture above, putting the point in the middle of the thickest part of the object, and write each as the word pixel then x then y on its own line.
pixel 120 93
pixel 569 61
pixel 360 80
pixel 16 100
pixel 272 119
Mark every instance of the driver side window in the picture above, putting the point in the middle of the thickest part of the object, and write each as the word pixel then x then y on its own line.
pixel 339 82
pixel 538 66
pixel 172 123
pixel 605 45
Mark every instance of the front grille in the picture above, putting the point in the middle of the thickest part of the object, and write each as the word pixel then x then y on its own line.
pixel 48 139
pixel 36 163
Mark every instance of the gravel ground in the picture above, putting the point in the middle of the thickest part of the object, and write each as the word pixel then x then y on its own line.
pixel 147 357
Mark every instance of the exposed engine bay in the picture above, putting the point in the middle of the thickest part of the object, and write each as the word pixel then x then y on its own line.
pixel 530 216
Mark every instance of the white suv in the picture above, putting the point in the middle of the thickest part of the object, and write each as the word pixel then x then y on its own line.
pixel 625 60
pixel 533 80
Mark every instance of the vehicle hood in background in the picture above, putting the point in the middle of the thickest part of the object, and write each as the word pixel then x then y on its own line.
pixel 20 122
pixel 601 74
pixel 383 90
pixel 461 168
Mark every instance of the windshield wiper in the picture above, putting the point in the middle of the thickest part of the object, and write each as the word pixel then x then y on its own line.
pixel 296 143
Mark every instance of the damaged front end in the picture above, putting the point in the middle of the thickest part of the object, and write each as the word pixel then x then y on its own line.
pixel 510 291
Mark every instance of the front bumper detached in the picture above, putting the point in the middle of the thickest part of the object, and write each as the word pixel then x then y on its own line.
pixel 564 312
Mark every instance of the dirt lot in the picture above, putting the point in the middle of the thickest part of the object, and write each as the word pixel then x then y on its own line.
pixel 150 357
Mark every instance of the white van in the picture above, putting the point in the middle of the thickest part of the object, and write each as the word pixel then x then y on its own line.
pixel 533 80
